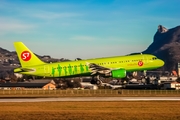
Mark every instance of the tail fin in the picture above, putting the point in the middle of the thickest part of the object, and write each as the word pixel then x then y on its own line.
pixel 26 57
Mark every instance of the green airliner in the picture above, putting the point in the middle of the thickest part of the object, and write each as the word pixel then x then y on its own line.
pixel 115 67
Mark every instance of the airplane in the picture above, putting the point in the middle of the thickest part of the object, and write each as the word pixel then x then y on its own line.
pixel 115 67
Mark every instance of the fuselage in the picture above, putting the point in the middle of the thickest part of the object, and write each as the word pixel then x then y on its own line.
pixel 73 68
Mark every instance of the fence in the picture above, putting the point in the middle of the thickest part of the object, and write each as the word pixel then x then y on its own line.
pixel 100 92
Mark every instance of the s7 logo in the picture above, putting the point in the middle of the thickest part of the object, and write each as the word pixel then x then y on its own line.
pixel 140 63
pixel 25 55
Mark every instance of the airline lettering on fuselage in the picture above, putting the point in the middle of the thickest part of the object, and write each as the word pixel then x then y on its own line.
pixel 132 64
pixel 140 63
pixel 25 55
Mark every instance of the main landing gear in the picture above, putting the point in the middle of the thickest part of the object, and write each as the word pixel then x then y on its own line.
pixel 96 80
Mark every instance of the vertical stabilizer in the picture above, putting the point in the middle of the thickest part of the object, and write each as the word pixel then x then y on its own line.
pixel 26 57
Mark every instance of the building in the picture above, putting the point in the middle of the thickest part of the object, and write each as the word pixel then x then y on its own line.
pixel 171 86
pixel 87 85
pixel 33 84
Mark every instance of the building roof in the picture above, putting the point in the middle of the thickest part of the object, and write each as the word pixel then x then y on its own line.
pixel 28 84
pixel 39 81
pixel 34 85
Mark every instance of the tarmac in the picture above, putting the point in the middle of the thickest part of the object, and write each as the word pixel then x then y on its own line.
pixel 86 99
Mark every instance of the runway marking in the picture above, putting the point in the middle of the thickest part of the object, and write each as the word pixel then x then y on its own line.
pixel 84 99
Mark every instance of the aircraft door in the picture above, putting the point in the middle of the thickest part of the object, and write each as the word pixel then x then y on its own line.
pixel 46 70
pixel 145 59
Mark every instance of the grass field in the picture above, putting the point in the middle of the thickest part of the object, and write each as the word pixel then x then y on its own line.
pixel 124 110
pixel 133 110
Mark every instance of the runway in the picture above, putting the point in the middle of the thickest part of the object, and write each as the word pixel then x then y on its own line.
pixel 87 99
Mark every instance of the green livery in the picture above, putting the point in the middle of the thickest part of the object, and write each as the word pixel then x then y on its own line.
pixel 116 66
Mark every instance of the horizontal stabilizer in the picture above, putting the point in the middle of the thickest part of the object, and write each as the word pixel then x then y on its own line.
pixel 23 70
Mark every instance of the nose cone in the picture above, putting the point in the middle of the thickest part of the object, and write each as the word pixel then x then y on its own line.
pixel 160 63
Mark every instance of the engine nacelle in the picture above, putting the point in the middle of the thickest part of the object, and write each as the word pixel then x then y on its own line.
pixel 119 73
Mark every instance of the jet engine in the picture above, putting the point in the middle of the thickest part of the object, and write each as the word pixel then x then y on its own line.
pixel 119 73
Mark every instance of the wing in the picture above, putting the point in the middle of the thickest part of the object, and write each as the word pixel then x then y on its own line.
pixel 97 69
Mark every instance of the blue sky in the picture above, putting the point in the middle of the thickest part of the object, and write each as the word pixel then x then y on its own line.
pixel 85 28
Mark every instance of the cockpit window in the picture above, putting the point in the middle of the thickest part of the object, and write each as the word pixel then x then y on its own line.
pixel 154 58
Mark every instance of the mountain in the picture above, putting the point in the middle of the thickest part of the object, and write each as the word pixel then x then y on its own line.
pixel 7 58
pixel 166 46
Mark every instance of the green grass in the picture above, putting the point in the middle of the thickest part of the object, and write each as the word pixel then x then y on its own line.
pixel 133 110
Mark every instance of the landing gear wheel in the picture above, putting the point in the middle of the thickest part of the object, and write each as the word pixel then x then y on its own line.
pixel 98 82
pixel 93 81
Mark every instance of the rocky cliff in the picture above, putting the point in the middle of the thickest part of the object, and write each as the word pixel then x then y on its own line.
pixel 166 46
